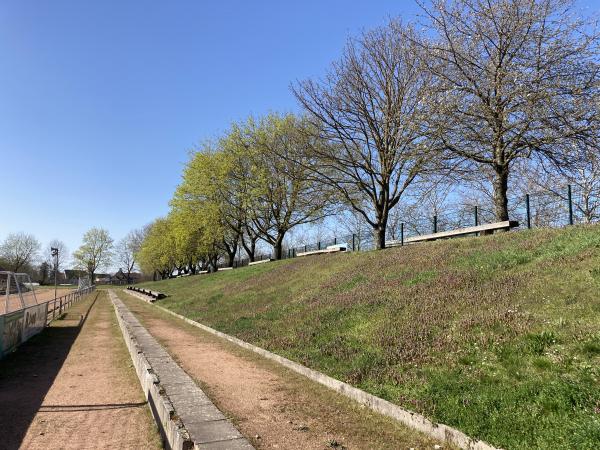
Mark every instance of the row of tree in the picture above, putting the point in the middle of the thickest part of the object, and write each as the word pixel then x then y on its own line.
pixel 252 184
pixel 21 252
pixel 486 91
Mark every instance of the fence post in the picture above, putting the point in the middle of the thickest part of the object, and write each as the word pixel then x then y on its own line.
pixel 476 215
pixel 402 234
pixel 319 245
pixel 570 196
pixel 435 224
pixel 334 241
pixel 528 211
pixel 304 248
pixel 353 242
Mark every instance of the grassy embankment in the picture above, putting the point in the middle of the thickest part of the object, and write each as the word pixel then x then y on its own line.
pixel 498 336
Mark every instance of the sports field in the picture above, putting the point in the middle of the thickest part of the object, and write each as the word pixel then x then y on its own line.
pixel 12 302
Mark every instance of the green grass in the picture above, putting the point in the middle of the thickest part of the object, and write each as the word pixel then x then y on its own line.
pixel 498 336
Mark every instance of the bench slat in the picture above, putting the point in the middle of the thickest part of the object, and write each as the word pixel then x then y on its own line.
pixel 318 252
pixel 506 225
pixel 262 261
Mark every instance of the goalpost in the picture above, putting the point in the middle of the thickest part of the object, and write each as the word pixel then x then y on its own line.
pixel 17 290
pixel 84 283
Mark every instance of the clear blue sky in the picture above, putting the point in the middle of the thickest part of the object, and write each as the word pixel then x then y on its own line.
pixel 101 101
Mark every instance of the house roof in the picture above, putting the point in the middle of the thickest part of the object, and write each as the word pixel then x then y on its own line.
pixel 121 274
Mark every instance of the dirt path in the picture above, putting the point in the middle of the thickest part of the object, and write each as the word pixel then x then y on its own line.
pixel 272 406
pixel 74 388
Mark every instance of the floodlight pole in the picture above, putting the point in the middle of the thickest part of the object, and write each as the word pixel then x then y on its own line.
pixel 54 251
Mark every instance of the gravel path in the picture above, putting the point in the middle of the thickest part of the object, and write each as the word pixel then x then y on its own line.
pixel 73 387
pixel 272 406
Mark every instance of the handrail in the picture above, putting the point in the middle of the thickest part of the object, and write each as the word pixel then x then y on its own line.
pixel 66 301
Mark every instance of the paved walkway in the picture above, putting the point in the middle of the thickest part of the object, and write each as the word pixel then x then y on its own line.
pixel 73 387
pixel 270 405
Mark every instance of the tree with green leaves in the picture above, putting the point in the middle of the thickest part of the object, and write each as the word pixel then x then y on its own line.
pixel 235 186
pixel 202 211
pixel 95 253
pixel 157 252
pixel 282 192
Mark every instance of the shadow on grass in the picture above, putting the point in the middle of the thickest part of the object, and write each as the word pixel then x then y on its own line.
pixel 27 375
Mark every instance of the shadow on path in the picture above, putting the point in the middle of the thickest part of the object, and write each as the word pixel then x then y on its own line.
pixel 27 375
pixel 102 407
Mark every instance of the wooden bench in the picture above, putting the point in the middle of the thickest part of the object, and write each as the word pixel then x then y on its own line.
pixel 488 228
pixel 154 294
pixel 330 249
pixel 262 261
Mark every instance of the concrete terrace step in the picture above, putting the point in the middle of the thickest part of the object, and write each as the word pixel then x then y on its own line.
pixel 194 420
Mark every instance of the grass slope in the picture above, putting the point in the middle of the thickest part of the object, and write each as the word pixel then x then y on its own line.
pixel 498 336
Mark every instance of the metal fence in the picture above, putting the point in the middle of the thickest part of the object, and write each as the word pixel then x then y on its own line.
pixel 58 305
pixel 564 205
pixel 27 320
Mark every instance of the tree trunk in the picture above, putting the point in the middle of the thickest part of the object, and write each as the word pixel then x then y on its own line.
pixel 250 249
pixel 501 193
pixel 379 230
pixel 379 237
pixel 230 258
pixel 212 263
pixel 278 246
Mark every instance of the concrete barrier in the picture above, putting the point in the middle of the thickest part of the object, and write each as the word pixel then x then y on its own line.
pixel 409 418
pixel 170 426
pixel 185 415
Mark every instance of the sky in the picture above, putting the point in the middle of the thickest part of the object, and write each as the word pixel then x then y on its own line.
pixel 101 102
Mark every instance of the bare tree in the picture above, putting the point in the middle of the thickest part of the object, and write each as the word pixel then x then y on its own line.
pixel 513 78
pixel 584 175
pixel 19 251
pixel 370 110
pixel 63 256
pixel 127 249
pixel 548 187
pixel 95 252
pixel 352 222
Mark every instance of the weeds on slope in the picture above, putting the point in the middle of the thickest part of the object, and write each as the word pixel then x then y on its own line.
pixel 498 336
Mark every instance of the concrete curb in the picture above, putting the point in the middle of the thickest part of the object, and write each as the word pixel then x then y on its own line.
pixel 409 418
pixel 170 426
pixel 186 417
